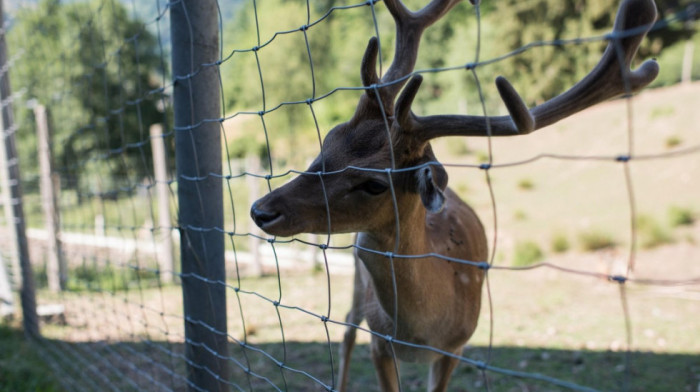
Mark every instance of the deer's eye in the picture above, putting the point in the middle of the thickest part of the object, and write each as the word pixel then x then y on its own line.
pixel 373 187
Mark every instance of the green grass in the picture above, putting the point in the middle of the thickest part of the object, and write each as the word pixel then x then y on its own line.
pixel 21 366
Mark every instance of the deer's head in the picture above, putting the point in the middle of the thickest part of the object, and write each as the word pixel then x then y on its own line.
pixel 381 160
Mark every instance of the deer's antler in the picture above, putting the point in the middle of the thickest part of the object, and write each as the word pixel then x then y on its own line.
pixel 409 29
pixel 610 78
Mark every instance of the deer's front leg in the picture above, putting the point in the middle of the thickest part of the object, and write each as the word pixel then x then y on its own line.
pixel 353 318
pixel 384 365
pixel 441 372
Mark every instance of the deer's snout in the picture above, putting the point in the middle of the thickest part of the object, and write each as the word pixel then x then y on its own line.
pixel 262 217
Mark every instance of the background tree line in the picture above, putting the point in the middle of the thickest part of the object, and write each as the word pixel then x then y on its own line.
pixel 96 65
pixel 282 63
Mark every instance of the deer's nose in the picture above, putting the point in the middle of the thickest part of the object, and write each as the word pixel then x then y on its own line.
pixel 262 217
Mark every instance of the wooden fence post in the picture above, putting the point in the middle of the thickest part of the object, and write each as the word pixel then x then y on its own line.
pixel 164 237
pixel 8 156
pixel 56 272
pixel 6 298
pixel 253 166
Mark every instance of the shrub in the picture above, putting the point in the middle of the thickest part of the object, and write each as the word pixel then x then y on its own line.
pixel 560 243
pixel 673 141
pixel 593 240
pixel 679 216
pixel 651 233
pixel 482 156
pixel 526 184
pixel 527 253
pixel 662 112
pixel 458 148
pixel 519 215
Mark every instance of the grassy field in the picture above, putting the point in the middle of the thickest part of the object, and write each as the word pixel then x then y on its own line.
pixel 567 326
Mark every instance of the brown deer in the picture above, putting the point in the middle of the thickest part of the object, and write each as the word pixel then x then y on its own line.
pixel 377 176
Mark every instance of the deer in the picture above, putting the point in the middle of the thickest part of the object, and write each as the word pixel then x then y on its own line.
pixel 421 253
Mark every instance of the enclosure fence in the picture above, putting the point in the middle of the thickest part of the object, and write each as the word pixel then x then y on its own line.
pixel 129 236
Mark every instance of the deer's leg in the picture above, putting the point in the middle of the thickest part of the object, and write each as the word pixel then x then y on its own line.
pixel 354 318
pixel 384 365
pixel 440 373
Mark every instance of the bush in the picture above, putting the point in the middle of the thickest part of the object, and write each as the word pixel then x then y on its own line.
pixel 673 141
pixel 593 240
pixel 651 234
pixel 482 156
pixel 527 253
pixel 560 243
pixel 519 215
pixel 458 148
pixel 526 184
pixel 679 216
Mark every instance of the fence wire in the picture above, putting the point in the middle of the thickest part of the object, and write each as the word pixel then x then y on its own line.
pixel 119 324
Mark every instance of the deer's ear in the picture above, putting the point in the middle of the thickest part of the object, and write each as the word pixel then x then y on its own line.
pixel 432 180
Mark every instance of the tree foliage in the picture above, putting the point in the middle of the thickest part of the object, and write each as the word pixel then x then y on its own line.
pixel 95 69
pixel 271 56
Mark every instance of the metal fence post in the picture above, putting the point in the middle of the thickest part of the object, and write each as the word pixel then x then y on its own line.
pixel 56 272
pixel 194 28
pixel 11 164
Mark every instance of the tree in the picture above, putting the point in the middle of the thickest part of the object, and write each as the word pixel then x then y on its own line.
pixel 555 67
pixel 95 68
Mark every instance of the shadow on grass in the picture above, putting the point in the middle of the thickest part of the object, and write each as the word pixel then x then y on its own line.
pixel 156 366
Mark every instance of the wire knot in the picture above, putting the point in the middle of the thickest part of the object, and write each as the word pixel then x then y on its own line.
pixel 485 166
pixel 323 246
pixel 324 319
pixel 304 28
pixel 623 158
pixel 261 113
pixel 271 240
pixel 484 266
pixel 618 278
pixel 276 303
pixel 389 338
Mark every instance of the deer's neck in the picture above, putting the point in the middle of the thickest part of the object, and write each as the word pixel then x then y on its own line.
pixel 412 240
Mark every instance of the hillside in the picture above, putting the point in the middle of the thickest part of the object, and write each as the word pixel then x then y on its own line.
pixel 548 196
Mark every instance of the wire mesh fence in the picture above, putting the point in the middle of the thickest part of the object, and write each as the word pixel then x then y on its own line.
pixel 164 121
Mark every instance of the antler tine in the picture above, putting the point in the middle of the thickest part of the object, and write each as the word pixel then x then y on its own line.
pixel 610 78
pixel 409 29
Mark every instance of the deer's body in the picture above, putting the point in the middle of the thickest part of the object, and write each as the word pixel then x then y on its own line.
pixel 377 176
pixel 426 287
